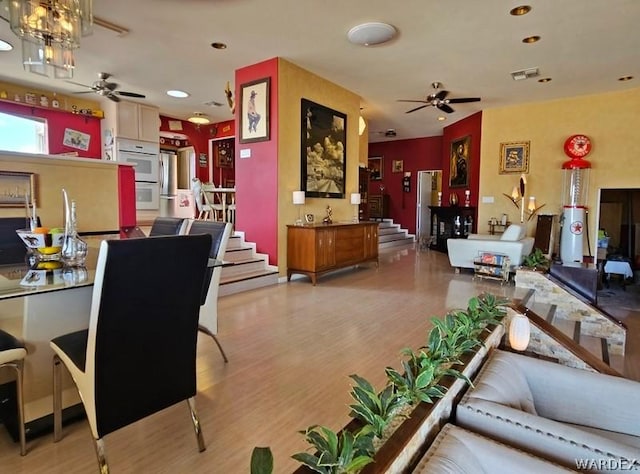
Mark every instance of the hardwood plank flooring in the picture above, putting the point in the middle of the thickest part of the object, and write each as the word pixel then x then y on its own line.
pixel 291 349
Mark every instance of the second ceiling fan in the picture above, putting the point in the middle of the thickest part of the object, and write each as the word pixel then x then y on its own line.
pixel 438 99
pixel 107 89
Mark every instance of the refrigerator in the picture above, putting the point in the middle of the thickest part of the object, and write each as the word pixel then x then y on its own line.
pixel 174 202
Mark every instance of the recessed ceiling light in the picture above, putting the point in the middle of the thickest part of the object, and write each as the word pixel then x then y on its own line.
pixel 199 119
pixel 368 34
pixel 625 78
pixel 544 79
pixel 521 10
pixel 5 46
pixel 218 45
pixel 178 94
pixel 531 39
pixel 441 118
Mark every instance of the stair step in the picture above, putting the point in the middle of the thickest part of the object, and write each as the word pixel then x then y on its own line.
pixel 243 267
pixel 247 281
pixel 396 243
pixel 235 242
pixel 238 255
pixel 390 237
pixel 388 230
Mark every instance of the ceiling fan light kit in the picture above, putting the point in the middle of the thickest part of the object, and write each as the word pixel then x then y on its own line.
pixel 371 33
pixel 199 119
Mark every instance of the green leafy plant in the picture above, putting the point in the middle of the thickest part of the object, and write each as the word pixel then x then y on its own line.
pixel 261 461
pixel 418 382
pixel 536 260
pixel 375 409
pixel 342 453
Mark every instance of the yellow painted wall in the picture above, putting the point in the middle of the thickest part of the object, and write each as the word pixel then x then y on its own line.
pixel 612 122
pixel 9 91
pixel 295 83
pixel 93 184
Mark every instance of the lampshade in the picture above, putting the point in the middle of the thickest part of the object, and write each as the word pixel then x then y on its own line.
pixel 515 194
pixel 362 125
pixel 199 119
pixel 50 30
pixel 532 204
pixel 298 197
pixel 355 198
pixel 519 332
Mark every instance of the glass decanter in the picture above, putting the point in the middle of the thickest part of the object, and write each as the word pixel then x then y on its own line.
pixel 74 249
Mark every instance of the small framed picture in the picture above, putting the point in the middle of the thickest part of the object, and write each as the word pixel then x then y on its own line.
pixel 397 166
pixel 514 157
pixel 254 111
pixel 375 167
pixel 308 218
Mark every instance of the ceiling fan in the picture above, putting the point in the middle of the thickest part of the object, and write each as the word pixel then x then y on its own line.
pixel 107 89
pixel 438 99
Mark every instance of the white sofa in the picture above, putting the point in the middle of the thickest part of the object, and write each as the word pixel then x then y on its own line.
pixel 559 413
pixel 513 242
pixel 459 451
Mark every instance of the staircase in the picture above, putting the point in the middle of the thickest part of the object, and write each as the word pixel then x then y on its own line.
pixel 391 235
pixel 249 270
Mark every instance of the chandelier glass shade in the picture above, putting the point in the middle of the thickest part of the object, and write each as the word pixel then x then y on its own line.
pixel 50 31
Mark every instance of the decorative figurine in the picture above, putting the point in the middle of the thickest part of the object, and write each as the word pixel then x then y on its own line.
pixel 327 219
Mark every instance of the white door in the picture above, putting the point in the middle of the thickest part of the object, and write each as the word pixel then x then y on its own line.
pixel 429 183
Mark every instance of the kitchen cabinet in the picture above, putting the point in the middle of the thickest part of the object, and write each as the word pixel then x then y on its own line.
pixel 133 120
pixel 313 250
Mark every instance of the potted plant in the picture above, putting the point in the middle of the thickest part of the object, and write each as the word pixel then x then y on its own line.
pixel 536 261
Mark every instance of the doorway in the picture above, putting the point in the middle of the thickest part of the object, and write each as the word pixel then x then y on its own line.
pixel 186 166
pixel 619 221
pixel 429 183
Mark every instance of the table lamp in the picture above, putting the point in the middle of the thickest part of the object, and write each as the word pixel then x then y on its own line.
pixel 298 200
pixel 355 200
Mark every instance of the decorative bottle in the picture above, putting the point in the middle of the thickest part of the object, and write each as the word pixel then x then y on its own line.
pixel 74 249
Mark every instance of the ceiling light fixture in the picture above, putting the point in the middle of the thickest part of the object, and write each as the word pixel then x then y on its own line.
pixel 5 45
pixel 531 39
pixel 178 94
pixel 50 30
pixel 544 80
pixel 218 45
pixel 442 118
pixel 521 10
pixel 369 34
pixel 199 119
pixel 625 78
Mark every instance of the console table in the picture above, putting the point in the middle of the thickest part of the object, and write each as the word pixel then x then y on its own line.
pixel 450 222
pixel 320 248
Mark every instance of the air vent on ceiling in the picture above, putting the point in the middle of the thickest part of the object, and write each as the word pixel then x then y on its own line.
pixel 525 74
pixel 213 103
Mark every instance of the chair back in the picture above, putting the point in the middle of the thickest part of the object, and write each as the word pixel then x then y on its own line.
pixel 141 346
pixel 12 249
pixel 167 226
pixel 220 233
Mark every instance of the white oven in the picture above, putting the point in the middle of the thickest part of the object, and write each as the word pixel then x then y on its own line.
pixel 145 155
pixel 147 195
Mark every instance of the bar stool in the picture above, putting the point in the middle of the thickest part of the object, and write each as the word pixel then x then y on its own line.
pixel 12 354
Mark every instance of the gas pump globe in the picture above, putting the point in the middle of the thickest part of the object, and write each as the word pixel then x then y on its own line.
pixel 575 183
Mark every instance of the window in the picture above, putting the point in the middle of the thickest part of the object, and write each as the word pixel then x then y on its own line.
pixel 26 135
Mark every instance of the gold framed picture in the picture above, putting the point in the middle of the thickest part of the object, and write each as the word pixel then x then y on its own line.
pixel 514 157
pixel 397 166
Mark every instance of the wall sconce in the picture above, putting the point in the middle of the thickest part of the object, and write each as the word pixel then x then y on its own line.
pixel 517 198
pixel 298 200
pixel 531 207
pixel 519 332
pixel 355 200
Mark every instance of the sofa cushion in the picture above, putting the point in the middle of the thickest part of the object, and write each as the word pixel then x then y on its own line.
pixel 514 232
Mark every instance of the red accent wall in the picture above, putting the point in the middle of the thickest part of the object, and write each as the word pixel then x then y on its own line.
pixel 126 196
pixel 471 126
pixel 257 176
pixel 417 155
pixel 57 122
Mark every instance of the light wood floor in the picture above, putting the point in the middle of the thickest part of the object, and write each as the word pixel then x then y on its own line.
pixel 291 350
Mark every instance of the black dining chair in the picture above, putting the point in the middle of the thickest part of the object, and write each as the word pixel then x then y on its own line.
pixel 138 355
pixel 168 226
pixel 12 354
pixel 220 233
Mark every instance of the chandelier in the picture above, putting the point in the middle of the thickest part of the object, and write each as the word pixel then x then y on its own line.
pixel 50 30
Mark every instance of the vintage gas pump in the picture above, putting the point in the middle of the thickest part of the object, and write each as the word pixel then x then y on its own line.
pixel 574 198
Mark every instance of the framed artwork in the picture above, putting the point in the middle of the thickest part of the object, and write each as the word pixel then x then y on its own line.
pixel 223 151
pixel 254 111
pixel 323 150
pixel 459 168
pixel 17 188
pixel 375 166
pixel 397 166
pixel 514 157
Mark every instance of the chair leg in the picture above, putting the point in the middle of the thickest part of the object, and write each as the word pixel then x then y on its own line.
pixel 57 399
pixel 215 339
pixel 101 452
pixel 191 401
pixel 19 366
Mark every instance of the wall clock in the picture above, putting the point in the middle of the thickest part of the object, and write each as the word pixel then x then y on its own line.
pixel 577 146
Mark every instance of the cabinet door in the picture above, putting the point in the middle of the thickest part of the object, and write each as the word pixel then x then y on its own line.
pixel 325 248
pixel 127 120
pixel 149 123
pixel 371 241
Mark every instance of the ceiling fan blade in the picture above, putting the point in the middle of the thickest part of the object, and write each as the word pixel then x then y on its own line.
pixel 113 97
pixel 419 101
pixel 417 108
pixel 109 85
pixel 441 95
pixel 130 94
pixel 78 84
pixel 464 100
pixel 445 108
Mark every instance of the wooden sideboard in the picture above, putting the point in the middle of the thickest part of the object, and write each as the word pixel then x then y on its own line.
pixel 320 248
